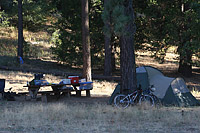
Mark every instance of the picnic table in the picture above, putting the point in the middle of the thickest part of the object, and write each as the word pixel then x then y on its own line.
pixel 56 90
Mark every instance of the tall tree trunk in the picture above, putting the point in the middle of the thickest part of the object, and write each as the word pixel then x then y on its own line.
pixel 185 66
pixel 127 55
pixel 86 41
pixel 20 30
pixel 185 61
pixel 107 61
pixel 113 62
pixel 108 48
pixel 113 52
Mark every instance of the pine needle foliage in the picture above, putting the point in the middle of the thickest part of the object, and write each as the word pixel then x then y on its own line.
pixel 114 9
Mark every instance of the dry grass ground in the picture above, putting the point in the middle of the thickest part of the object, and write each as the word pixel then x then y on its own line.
pixel 83 114
pixel 95 117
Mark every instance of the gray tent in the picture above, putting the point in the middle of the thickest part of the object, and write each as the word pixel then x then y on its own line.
pixel 171 91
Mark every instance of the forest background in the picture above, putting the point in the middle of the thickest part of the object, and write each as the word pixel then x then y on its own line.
pixel 52 44
pixel 160 25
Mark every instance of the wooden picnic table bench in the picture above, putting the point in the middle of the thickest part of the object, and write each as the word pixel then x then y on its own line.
pixel 57 89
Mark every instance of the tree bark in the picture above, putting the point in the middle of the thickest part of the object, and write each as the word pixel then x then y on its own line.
pixel 108 49
pixel 185 61
pixel 86 41
pixel 113 62
pixel 127 55
pixel 185 66
pixel 113 52
pixel 20 30
pixel 107 62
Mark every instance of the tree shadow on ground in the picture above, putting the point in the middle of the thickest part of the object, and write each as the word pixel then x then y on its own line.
pixel 94 99
pixel 35 64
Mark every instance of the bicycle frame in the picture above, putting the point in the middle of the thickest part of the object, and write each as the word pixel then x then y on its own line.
pixel 137 96
pixel 130 97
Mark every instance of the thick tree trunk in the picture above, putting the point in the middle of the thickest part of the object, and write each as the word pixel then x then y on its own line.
pixel 113 52
pixel 185 66
pixel 107 61
pixel 127 56
pixel 20 30
pixel 86 41
pixel 108 49
pixel 185 62
pixel 113 62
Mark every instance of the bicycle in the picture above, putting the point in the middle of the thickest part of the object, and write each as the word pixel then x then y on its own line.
pixel 150 91
pixel 123 101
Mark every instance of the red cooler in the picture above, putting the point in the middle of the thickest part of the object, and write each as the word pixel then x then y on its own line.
pixel 74 79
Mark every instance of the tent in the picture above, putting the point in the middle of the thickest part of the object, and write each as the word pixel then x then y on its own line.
pixel 171 91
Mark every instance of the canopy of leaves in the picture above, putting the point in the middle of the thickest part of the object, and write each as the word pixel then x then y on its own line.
pixel 114 10
pixel 170 23
pixel 35 13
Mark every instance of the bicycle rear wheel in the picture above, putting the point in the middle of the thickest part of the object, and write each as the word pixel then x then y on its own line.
pixel 121 101
pixel 146 101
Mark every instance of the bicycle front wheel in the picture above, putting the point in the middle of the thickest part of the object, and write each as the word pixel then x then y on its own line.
pixel 121 101
pixel 146 101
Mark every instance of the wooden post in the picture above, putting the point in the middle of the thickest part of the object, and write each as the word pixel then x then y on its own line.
pixel 78 93
pixel 87 93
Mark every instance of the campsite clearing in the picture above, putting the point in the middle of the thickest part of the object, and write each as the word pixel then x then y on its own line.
pixel 89 114
pixel 92 114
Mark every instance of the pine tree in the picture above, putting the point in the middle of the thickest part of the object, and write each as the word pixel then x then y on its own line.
pixel 86 41
pixel 122 21
pixel 20 30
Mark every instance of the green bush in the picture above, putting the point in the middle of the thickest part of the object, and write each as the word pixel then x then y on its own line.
pixel 4 19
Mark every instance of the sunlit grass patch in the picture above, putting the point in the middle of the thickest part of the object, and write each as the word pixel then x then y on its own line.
pixel 196 93
pixel 104 87
pixel 8 47
pixel 36 45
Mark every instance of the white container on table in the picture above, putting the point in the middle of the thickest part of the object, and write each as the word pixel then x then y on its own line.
pixel 66 81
